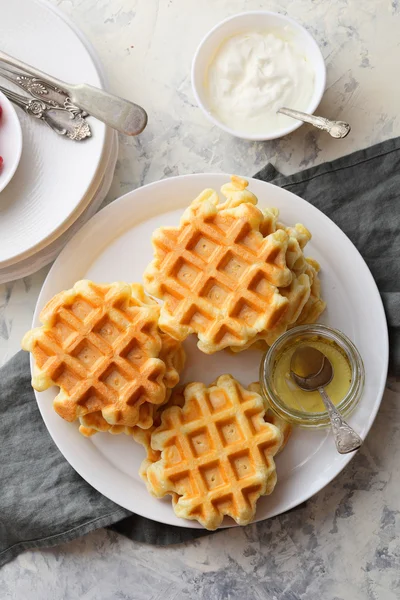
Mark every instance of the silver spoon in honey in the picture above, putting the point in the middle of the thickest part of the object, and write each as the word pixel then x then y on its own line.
pixel 312 371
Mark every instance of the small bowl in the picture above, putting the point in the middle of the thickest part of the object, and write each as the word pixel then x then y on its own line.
pixel 304 333
pixel 10 141
pixel 255 21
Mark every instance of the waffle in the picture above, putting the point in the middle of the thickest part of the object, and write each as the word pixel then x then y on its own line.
pixel 100 344
pixel 173 356
pixel 298 238
pixel 143 436
pixel 95 422
pixel 298 292
pixel 284 427
pixel 314 306
pixel 303 294
pixel 216 453
pixel 217 274
pixel 307 307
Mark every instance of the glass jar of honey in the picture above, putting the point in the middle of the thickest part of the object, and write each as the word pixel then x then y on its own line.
pixel 306 408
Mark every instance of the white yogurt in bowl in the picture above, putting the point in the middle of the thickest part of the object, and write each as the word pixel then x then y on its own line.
pixel 251 65
pixel 254 74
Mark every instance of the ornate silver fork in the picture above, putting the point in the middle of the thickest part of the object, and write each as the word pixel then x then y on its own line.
pixel 41 90
pixel 59 119
pixel 125 116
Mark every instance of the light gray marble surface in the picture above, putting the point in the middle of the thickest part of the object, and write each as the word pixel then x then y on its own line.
pixel 344 543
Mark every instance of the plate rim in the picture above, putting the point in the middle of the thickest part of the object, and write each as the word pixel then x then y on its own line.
pixel 43 257
pixel 345 459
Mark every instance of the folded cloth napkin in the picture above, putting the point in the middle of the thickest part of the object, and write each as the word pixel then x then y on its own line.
pixel 44 502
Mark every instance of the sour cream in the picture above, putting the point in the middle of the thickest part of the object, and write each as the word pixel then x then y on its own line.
pixel 252 75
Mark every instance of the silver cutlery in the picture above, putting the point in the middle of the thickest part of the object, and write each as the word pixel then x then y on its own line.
pixel 337 129
pixel 120 114
pixel 312 371
pixel 59 119
pixel 41 90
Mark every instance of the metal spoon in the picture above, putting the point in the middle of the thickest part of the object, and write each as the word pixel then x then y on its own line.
pixel 311 370
pixel 337 129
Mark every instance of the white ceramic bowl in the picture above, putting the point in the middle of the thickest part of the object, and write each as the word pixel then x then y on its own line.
pixel 255 21
pixel 10 141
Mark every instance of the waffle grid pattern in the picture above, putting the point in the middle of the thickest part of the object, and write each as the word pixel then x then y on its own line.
pixel 100 345
pixel 270 417
pixel 217 453
pixel 174 357
pixel 219 277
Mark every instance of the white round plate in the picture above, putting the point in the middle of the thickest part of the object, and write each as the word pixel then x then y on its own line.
pixel 91 204
pixel 10 141
pixel 115 245
pixel 54 173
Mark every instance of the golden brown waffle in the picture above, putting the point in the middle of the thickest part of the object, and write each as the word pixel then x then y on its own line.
pixel 269 224
pixel 100 344
pixel 298 238
pixel 217 274
pixel 216 453
pixel 310 306
pixel 143 436
pixel 284 427
pixel 173 356
pixel 314 306
pixel 95 422
pixel 303 293
pixel 297 294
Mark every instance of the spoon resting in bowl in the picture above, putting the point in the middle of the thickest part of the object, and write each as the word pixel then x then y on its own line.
pixel 311 370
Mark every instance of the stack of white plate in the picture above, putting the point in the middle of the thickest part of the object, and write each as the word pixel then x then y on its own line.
pixel 59 183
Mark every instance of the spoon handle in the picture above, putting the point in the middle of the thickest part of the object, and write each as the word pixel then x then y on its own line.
pixel 346 439
pixel 337 129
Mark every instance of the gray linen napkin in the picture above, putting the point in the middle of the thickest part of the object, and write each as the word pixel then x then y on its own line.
pixel 44 502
